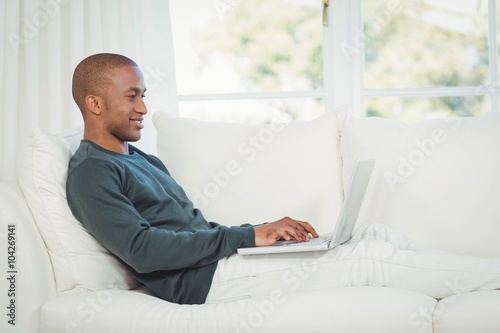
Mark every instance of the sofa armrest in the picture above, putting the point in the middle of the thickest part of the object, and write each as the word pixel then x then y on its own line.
pixel 29 281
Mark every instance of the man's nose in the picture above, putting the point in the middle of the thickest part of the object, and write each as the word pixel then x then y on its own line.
pixel 141 107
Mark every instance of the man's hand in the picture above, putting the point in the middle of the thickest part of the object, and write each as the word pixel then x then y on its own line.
pixel 283 229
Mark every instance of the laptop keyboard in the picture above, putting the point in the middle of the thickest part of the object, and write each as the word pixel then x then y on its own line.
pixel 320 240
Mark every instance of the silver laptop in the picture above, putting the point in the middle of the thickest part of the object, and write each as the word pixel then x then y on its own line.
pixel 345 222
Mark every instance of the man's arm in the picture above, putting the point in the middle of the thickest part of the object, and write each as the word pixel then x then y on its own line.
pixel 267 234
pixel 95 194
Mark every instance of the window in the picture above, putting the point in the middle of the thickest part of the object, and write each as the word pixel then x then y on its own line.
pixel 264 61
pixel 248 61
pixel 420 59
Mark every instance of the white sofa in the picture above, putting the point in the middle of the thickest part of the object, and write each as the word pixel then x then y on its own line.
pixel 436 181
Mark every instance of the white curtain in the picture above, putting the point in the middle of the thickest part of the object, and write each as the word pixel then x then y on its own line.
pixel 43 40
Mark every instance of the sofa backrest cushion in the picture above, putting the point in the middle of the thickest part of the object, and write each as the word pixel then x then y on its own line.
pixel 243 173
pixel 78 260
pixel 438 181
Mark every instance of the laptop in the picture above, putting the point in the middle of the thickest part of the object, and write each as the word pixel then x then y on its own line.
pixel 345 222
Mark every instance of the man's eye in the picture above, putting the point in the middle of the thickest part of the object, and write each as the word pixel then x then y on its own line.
pixel 143 96
pixel 131 97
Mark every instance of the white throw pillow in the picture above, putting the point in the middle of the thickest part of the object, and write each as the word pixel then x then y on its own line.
pixel 438 181
pixel 241 173
pixel 79 261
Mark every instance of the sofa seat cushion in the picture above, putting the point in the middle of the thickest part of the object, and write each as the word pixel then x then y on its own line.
pixel 355 309
pixel 436 181
pixel 241 173
pixel 79 262
pixel 469 312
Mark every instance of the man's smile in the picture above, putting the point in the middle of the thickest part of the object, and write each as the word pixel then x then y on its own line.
pixel 138 121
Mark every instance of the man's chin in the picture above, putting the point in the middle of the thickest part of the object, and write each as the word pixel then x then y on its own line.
pixel 134 137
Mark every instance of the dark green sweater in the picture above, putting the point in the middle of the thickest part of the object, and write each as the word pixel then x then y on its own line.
pixel 134 208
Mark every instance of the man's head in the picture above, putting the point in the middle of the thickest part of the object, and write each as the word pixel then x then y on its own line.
pixel 93 75
pixel 109 90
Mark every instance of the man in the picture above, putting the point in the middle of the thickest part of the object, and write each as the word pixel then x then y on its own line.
pixel 130 203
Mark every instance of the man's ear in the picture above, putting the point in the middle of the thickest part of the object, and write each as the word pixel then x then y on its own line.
pixel 94 104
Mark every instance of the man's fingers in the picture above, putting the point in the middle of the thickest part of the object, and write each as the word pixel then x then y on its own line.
pixel 309 229
pixel 304 227
pixel 298 234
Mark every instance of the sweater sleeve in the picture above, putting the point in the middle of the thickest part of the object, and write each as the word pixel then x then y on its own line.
pixel 96 194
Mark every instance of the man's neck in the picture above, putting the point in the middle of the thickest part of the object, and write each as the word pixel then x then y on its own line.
pixel 117 146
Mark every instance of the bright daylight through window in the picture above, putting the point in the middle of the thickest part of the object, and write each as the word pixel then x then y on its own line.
pixel 421 47
pixel 248 61
pixel 266 60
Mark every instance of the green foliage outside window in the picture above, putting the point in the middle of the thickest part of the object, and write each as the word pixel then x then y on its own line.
pixel 277 46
